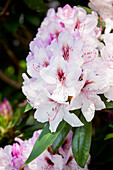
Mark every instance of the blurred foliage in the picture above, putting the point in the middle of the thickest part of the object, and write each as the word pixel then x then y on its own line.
pixel 19 21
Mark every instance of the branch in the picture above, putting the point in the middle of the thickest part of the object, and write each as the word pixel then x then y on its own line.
pixel 9 81
pixel 11 55
pixel 5 8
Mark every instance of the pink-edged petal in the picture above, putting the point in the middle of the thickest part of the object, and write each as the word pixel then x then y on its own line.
pixel 58 116
pixel 88 109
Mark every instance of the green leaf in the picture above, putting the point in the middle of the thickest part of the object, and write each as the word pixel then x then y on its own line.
pixel 45 139
pixel 28 130
pixel 88 10
pixel 2 121
pixel 109 105
pixel 81 142
pixel 34 4
pixel 16 118
pixel 28 107
pixel 102 23
pixel 108 136
pixel 60 138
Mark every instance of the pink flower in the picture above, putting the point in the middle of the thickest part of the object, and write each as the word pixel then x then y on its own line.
pixel 5 157
pixel 13 157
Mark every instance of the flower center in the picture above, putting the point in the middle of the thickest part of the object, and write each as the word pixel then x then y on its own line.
pixel 66 53
pixel 61 76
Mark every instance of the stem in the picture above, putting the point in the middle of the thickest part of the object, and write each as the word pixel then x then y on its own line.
pixel 5 8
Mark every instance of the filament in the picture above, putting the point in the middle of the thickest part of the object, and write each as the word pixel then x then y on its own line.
pixel 29 102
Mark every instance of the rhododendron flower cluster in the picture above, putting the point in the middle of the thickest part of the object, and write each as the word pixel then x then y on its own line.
pixel 66 70
pixel 14 156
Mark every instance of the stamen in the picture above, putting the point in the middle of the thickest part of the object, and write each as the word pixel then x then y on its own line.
pixel 29 101
pixel 66 53
pixel 61 76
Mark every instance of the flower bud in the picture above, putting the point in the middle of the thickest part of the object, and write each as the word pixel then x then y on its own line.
pixel 6 110
pixel 16 150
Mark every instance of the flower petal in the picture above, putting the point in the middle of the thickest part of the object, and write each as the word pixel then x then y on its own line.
pixel 72 119
pixel 88 109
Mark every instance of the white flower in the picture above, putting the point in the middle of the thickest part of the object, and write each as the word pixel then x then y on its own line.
pixel 54 112
pixel 87 99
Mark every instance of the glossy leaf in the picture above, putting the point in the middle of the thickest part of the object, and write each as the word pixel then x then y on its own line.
pixel 81 142
pixel 60 138
pixel 28 107
pixel 45 139
pixel 109 136
pixel 16 118
pixel 109 105
pixel 28 130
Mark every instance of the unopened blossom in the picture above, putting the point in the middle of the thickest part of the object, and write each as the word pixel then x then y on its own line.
pixel 6 110
pixel 105 10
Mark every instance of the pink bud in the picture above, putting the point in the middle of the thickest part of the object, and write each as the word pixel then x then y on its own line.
pixel 6 109
pixel 16 150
